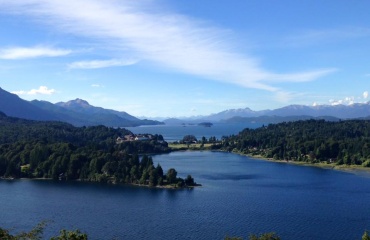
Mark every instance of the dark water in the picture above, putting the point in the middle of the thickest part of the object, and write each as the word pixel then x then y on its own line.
pixel 239 196
pixel 173 133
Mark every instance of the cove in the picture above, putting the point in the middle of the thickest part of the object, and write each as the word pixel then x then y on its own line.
pixel 239 196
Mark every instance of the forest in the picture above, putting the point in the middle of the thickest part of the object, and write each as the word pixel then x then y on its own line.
pixel 313 141
pixel 60 151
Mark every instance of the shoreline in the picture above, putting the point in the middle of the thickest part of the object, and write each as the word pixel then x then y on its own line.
pixel 172 187
pixel 358 170
pixel 354 169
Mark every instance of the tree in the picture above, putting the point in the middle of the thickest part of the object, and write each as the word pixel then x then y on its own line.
pixel 70 235
pixel 134 174
pixel 144 177
pixel 153 177
pixel 159 170
pixel 365 236
pixel 37 232
pixel 189 139
pixel 171 176
pixel 189 181
pixel 34 234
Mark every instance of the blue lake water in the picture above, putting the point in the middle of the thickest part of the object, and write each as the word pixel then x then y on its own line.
pixel 239 196
pixel 173 133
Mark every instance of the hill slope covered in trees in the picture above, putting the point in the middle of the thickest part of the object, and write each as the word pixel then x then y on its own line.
pixel 343 142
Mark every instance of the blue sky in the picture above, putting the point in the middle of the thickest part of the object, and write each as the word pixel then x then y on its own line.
pixel 184 58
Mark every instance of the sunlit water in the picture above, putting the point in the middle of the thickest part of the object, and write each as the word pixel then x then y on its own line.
pixel 239 196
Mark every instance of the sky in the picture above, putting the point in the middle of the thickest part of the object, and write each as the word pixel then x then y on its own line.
pixel 168 58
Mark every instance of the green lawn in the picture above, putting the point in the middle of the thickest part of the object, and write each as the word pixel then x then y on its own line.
pixel 193 146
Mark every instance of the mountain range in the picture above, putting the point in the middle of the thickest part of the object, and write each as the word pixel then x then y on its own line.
pixel 288 113
pixel 356 110
pixel 77 112
pixel 80 113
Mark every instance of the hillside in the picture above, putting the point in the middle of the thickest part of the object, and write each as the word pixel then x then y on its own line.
pixel 12 105
pixel 342 142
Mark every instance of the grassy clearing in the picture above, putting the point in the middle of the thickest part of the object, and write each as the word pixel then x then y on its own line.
pixel 25 167
pixel 193 146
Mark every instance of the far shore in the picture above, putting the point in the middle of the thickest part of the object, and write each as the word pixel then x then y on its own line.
pixel 344 168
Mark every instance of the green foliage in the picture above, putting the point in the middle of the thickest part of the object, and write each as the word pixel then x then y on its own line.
pixel 189 181
pixel 343 142
pixel 264 236
pixel 189 139
pixel 62 152
pixel 70 235
pixel 171 176
pixel 4 234
pixel 37 234
pixel 365 236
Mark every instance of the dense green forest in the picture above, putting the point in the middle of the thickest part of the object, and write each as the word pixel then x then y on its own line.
pixel 56 150
pixel 344 142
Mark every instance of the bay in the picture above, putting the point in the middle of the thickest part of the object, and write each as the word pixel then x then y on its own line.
pixel 239 196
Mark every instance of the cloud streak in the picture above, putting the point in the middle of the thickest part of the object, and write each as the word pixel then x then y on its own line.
pixel 15 53
pixel 167 40
pixel 42 90
pixel 100 64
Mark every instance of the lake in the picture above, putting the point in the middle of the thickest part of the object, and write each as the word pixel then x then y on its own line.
pixel 172 133
pixel 239 196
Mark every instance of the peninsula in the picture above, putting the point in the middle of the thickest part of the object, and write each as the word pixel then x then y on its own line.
pixel 60 151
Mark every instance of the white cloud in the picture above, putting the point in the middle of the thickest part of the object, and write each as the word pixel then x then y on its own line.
pixel 31 52
pixel 345 101
pixel 95 85
pixel 168 40
pixel 100 64
pixel 365 94
pixel 43 90
pixel 350 100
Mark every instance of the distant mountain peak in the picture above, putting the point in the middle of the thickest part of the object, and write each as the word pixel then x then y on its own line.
pixel 77 103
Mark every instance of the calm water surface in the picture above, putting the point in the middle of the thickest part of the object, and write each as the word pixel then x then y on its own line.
pixel 173 133
pixel 239 196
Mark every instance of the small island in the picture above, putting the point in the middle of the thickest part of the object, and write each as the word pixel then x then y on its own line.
pixel 205 124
